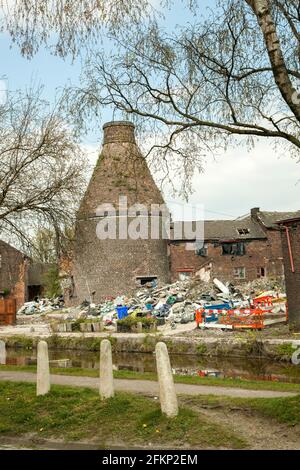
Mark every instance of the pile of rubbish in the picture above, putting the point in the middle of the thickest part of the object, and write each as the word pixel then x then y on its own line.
pixel 176 303
pixel 245 306
pixel 41 306
pixel 172 304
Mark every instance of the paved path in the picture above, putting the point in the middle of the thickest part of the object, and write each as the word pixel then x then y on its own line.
pixel 146 387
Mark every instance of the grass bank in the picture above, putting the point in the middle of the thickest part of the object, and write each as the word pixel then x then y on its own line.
pixel 72 414
pixel 193 380
pixel 282 410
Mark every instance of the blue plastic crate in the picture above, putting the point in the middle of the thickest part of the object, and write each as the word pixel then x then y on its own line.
pixel 122 312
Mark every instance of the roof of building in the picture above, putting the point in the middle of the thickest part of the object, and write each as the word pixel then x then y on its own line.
pixel 244 229
pixel 7 246
pixel 269 219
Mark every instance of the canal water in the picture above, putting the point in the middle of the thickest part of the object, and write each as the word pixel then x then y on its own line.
pixel 251 369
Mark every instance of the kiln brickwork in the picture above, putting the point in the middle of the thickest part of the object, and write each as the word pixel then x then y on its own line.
pixel 111 267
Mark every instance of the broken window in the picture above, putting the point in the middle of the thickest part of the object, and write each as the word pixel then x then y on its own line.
pixel 261 272
pixel 184 275
pixel 237 249
pixel 147 279
pixel 239 273
pixel 243 231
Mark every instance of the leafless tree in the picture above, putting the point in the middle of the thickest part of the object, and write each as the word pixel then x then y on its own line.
pixel 42 168
pixel 65 26
pixel 230 76
pixel 47 246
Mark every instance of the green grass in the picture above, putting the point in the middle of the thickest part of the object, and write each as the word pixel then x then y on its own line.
pixel 283 410
pixel 193 380
pixel 74 414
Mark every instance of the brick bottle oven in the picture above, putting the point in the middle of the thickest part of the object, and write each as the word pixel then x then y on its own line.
pixel 111 267
pixel 290 237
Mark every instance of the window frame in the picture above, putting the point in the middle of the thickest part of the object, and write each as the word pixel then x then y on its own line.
pixel 239 268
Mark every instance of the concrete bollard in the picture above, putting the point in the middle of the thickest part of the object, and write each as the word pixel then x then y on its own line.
pixel 106 387
pixel 43 372
pixel 167 394
pixel 2 353
pixel 139 327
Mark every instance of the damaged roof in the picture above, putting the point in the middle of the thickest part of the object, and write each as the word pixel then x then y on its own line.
pixel 244 229
pixel 269 219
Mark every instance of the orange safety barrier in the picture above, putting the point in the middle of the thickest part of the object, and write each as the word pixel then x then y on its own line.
pixel 248 318
pixel 237 318
pixel 266 301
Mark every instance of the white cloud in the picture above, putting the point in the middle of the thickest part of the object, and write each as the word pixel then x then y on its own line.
pixel 239 180
pixel 236 181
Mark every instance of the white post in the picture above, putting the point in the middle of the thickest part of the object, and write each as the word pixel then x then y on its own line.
pixel 2 353
pixel 43 372
pixel 167 393
pixel 106 387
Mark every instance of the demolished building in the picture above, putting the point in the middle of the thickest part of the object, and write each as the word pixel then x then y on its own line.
pixel 237 251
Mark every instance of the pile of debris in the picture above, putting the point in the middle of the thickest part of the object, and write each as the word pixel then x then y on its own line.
pixel 172 304
pixel 40 306
pixel 177 302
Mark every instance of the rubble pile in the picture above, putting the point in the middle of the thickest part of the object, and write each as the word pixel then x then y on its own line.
pixel 172 304
pixel 41 306
pixel 260 285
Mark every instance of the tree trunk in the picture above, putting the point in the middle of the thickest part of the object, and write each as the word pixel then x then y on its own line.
pixel 262 11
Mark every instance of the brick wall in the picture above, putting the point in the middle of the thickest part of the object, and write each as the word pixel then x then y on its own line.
pixel 19 291
pixel 13 272
pixel 259 254
pixel 292 279
pixel 110 267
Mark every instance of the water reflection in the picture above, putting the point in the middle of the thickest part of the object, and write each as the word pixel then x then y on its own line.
pixel 181 364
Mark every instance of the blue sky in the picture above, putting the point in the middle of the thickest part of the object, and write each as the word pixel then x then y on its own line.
pixel 231 184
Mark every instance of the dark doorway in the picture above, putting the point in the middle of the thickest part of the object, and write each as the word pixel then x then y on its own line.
pixel 34 291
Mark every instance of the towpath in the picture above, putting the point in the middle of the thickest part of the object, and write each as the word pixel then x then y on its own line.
pixel 145 387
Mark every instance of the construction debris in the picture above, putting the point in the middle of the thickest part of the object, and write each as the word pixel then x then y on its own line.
pixel 41 306
pixel 213 305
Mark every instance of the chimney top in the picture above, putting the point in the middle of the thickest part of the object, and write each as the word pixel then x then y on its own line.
pixel 254 212
pixel 118 131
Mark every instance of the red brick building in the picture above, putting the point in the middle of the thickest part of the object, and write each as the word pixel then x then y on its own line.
pixel 13 273
pixel 20 278
pixel 234 250
pixel 290 236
